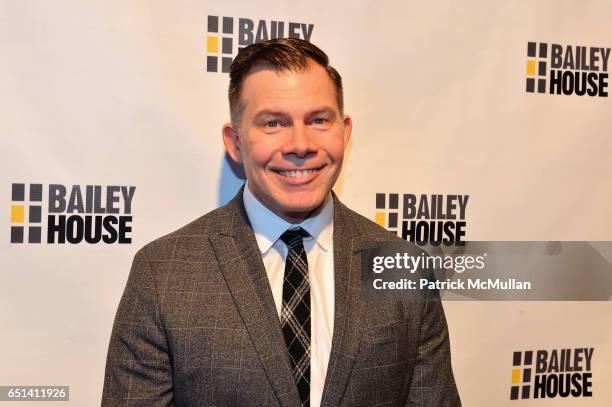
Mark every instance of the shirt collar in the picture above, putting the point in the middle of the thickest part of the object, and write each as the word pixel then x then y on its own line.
pixel 268 226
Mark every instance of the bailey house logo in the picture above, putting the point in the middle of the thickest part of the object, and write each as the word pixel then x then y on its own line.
pixel 540 374
pixel 427 218
pixel 58 214
pixel 19 223
pixel 567 69
pixel 226 36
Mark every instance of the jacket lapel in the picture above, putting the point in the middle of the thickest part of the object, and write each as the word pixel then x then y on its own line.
pixel 242 266
pixel 348 306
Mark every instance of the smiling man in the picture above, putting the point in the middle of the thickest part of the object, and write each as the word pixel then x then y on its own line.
pixel 288 129
pixel 259 302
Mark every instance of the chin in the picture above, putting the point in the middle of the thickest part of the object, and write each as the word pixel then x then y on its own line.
pixel 300 209
pixel 306 203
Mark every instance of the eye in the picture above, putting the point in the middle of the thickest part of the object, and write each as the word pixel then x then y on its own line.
pixel 272 124
pixel 321 123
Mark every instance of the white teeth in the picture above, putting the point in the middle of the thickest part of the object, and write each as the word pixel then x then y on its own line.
pixel 296 173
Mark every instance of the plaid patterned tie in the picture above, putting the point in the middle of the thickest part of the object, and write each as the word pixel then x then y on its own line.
pixel 295 312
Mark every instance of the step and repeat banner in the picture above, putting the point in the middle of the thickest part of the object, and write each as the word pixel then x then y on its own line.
pixel 473 120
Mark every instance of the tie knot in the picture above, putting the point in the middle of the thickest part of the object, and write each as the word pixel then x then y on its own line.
pixel 293 237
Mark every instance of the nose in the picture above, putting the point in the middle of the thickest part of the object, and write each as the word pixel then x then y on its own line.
pixel 300 142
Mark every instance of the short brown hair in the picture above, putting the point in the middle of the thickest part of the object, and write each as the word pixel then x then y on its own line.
pixel 282 54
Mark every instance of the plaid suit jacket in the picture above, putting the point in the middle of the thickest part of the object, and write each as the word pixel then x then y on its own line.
pixel 197 326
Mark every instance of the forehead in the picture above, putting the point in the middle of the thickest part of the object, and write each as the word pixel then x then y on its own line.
pixel 265 88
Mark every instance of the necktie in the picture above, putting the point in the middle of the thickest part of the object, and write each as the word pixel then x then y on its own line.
pixel 295 312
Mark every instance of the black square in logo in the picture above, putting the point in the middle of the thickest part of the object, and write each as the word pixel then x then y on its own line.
pixel 542 68
pixel 526 375
pixel 211 64
pixel 225 64
pixel 18 192
pixel 528 357
pixel 530 85
pixel 226 45
pixel 393 201
pixel 525 392
pixel 531 49
pixel 34 234
pixel 213 24
pixel 543 49
pixel 16 234
pixel 228 25
pixel 393 220
pixel 35 214
pixel 516 359
pixel 36 192
pixel 541 85
pixel 380 201
pixel 514 393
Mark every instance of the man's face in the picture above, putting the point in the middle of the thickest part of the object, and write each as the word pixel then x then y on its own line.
pixel 290 139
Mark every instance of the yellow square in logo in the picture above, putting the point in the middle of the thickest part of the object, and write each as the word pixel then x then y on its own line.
pixel 380 219
pixel 531 67
pixel 212 44
pixel 516 376
pixel 17 213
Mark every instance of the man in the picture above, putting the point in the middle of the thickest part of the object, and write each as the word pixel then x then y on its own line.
pixel 258 302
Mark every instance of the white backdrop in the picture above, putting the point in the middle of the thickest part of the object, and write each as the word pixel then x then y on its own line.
pixel 117 93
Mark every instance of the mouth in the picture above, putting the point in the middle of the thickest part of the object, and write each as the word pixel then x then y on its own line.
pixel 300 175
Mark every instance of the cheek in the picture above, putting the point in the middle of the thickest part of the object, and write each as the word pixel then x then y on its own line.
pixel 258 154
pixel 335 149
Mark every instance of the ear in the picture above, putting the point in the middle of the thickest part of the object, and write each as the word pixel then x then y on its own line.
pixel 348 127
pixel 231 139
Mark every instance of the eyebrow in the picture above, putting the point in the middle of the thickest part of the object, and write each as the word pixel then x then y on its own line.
pixel 264 113
pixel 277 113
pixel 324 110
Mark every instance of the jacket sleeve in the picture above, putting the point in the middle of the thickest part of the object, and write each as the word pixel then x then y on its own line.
pixel 138 364
pixel 433 384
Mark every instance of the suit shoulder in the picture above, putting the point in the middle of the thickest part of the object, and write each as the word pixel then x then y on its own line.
pixel 362 224
pixel 365 226
pixel 368 230
pixel 189 239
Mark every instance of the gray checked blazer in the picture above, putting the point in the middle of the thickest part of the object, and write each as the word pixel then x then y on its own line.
pixel 197 326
